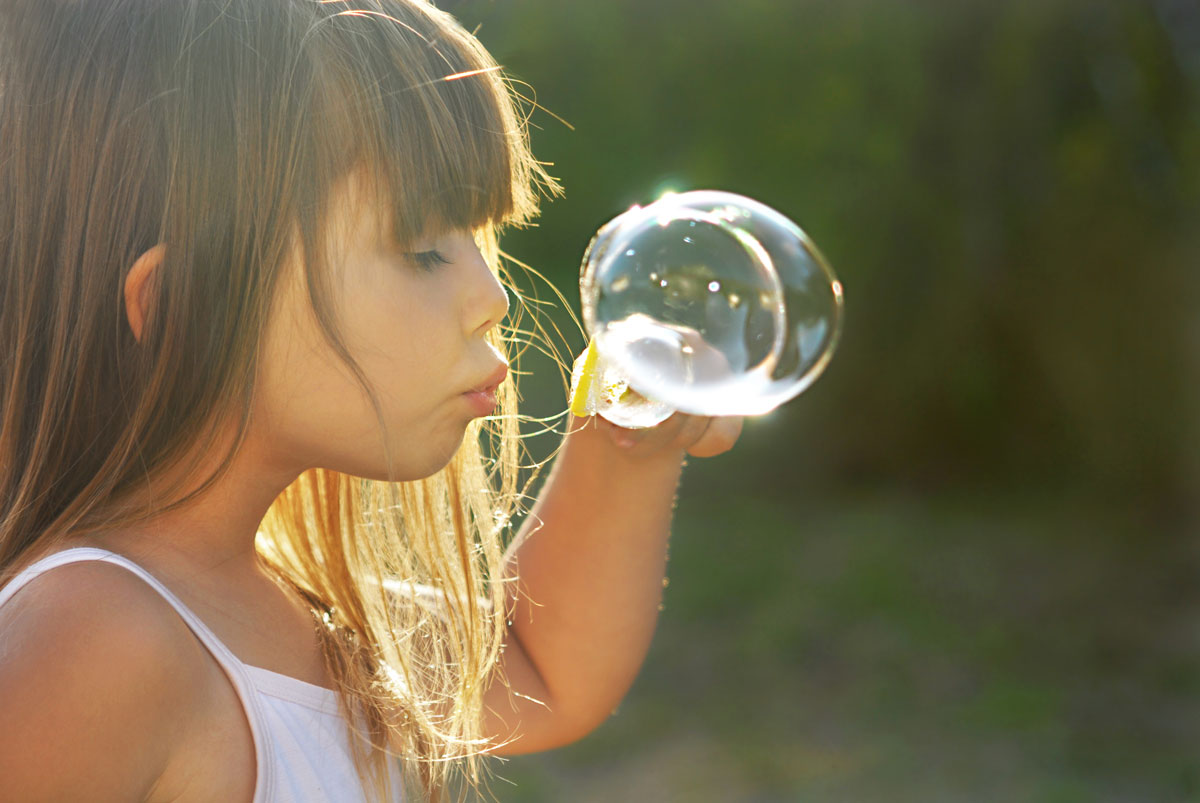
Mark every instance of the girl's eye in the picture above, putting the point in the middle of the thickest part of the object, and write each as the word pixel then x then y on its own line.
pixel 428 260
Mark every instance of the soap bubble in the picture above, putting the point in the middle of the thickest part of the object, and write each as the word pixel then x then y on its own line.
pixel 711 303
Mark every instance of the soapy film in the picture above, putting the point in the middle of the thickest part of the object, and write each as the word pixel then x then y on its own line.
pixel 709 303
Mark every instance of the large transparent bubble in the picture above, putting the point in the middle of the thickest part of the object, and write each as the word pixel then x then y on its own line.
pixel 710 303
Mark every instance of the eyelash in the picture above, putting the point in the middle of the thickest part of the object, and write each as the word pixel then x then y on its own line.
pixel 429 260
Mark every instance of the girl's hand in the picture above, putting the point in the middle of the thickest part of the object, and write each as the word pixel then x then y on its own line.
pixel 699 436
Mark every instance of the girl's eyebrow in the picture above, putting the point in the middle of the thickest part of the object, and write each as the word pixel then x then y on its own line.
pixel 433 229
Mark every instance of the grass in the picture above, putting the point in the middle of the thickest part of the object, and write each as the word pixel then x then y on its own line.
pixel 882 647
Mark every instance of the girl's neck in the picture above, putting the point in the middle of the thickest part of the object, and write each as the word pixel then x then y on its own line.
pixel 213 535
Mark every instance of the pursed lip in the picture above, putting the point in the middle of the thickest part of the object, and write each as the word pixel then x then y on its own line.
pixel 490 384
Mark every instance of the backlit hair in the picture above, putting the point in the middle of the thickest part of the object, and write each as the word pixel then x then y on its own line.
pixel 219 128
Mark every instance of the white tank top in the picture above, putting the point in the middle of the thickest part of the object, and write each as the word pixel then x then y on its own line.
pixel 300 739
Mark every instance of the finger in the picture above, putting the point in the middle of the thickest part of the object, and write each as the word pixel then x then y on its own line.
pixel 719 438
pixel 693 431
pixel 676 432
pixel 655 438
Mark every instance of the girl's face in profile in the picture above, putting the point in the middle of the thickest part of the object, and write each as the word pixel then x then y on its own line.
pixel 414 320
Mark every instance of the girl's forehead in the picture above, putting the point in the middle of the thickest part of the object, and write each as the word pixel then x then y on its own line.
pixel 358 201
pixel 428 123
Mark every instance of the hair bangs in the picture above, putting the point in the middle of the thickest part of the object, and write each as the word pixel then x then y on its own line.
pixel 435 121
pixel 223 129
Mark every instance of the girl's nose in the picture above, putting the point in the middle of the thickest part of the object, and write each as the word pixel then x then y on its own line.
pixel 489 300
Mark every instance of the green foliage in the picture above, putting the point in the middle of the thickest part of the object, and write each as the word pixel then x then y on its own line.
pixel 960 567
pixel 977 648
pixel 1008 190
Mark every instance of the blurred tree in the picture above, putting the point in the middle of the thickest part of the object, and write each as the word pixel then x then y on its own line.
pixel 951 570
pixel 1009 191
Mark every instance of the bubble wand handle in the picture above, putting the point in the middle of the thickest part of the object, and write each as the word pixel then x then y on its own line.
pixel 598 389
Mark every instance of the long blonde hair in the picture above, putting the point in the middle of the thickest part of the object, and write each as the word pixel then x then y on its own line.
pixel 219 127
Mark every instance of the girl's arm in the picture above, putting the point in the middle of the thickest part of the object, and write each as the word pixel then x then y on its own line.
pixel 590 561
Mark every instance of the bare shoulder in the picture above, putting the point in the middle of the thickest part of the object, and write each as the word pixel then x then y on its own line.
pixel 95 677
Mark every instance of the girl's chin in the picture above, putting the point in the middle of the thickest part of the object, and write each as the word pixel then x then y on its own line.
pixel 408 469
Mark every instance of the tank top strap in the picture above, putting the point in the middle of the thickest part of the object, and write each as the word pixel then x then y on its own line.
pixel 232 666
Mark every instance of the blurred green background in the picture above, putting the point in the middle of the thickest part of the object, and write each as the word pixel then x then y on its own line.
pixel 964 565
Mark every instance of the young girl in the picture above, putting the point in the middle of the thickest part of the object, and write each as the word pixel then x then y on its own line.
pixel 250 545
